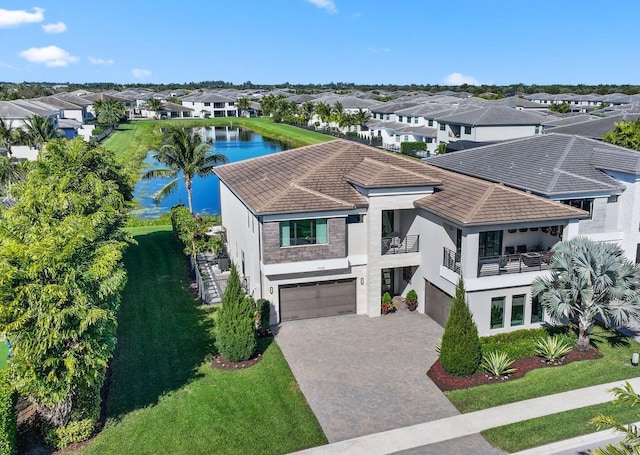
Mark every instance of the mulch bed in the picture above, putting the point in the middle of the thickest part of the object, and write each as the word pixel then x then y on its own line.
pixel 446 382
pixel 220 363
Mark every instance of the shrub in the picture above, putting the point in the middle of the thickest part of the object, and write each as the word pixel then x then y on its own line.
pixel 97 131
pixel 387 302
pixel 8 417
pixel 412 296
pixel 74 431
pixel 523 343
pixel 189 230
pixel 235 332
pixel 410 148
pixel 497 364
pixel 552 348
pixel 264 313
pixel 460 352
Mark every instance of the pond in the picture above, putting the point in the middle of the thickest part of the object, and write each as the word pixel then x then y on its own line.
pixel 235 143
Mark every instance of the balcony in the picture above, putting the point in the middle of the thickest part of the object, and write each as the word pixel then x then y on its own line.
pixel 531 261
pixel 451 260
pixel 400 245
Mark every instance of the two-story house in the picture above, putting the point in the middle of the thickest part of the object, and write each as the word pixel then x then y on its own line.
pixel 327 229
pixel 211 104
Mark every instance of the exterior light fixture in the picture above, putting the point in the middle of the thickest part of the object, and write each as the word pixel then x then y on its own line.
pixel 634 359
pixel 271 290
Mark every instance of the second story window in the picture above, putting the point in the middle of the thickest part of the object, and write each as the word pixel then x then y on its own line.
pixel 467 130
pixel 400 118
pixel 584 204
pixel 303 232
pixel 207 104
pixel 443 127
pixel 430 122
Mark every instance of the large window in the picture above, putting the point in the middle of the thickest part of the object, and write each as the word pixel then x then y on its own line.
pixel 497 312
pixel 536 310
pixel 443 127
pixel 467 130
pixel 303 232
pixel 584 204
pixel 430 122
pixel 490 244
pixel 517 309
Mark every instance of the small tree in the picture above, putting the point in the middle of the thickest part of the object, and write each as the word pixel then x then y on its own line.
pixel 460 351
pixel 590 279
pixel 631 442
pixel 235 333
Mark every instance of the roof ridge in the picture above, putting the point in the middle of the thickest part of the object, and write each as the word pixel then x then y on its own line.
pixel 488 192
pixel 317 193
pixel 306 174
pixel 557 167
pixel 582 177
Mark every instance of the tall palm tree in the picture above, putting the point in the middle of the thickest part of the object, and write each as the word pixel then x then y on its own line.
pixel 155 105
pixel 11 171
pixel 109 111
pixel 590 279
pixel 306 110
pixel 361 117
pixel 323 111
pixel 184 152
pixel 244 104
pixel 39 131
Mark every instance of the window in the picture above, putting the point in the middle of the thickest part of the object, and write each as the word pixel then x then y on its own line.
pixel 207 104
pixel 408 119
pixel 386 116
pixel 517 310
pixel 429 140
pixel 303 232
pixel 430 122
pixel 497 312
pixel 612 199
pixel 352 219
pixel 584 204
pixel 443 127
pixel 537 131
pixel 467 130
pixel 406 139
pixel 218 105
pixel 490 244
pixel 536 310
pixel 400 118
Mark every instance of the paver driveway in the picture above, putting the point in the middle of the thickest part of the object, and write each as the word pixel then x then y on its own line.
pixel 363 375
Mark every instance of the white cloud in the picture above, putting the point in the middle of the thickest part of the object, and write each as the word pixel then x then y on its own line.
pixel 460 79
pixel 140 73
pixel 58 27
pixel 50 56
pixel 101 61
pixel 12 18
pixel 325 4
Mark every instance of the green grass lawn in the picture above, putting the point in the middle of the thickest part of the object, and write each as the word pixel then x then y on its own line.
pixel 613 366
pixel 556 427
pixel 165 398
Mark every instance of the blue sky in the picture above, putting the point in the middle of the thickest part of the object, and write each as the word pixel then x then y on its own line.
pixel 321 41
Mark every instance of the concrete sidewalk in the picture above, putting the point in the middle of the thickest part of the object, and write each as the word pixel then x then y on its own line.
pixel 471 423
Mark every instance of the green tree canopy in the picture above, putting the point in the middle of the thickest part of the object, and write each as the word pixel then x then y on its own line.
pixel 588 280
pixel 626 134
pixel 39 130
pixel 61 275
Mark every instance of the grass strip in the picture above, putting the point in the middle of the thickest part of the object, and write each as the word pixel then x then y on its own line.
pixel 556 427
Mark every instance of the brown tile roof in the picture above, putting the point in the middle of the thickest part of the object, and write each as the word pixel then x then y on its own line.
pixel 470 201
pixel 320 177
pixel 316 178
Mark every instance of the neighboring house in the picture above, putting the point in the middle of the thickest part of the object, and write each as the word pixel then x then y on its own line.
pixel 486 124
pixel 68 109
pixel 326 229
pixel 129 103
pixel 595 127
pixel 169 110
pixel 211 104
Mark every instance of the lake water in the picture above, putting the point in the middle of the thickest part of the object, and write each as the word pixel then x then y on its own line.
pixel 235 143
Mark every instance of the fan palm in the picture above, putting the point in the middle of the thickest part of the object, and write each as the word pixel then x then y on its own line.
pixel 184 152
pixel 590 279
pixel 155 105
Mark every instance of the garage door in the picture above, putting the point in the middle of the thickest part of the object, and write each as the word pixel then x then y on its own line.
pixel 314 300
pixel 437 303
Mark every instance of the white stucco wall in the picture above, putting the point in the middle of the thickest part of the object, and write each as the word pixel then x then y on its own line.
pixel 502 133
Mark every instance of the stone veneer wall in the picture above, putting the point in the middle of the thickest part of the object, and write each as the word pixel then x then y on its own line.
pixel 274 254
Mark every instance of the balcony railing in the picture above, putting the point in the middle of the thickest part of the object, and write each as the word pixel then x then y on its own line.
pixel 400 245
pixel 451 260
pixel 531 261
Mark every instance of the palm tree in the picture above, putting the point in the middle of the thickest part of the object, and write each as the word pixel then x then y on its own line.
pixel 337 111
pixel 39 131
pixel 631 442
pixel 11 171
pixel 184 152
pixel 7 135
pixel 109 111
pixel 323 111
pixel 244 104
pixel 155 105
pixel 361 117
pixel 306 110
pixel 590 279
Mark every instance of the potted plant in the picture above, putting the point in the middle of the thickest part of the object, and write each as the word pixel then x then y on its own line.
pixel 412 300
pixel 387 305
pixel 504 260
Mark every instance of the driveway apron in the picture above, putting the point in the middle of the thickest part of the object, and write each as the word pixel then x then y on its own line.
pixel 364 375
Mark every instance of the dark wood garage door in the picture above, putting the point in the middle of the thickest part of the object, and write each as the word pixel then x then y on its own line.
pixel 319 299
pixel 437 303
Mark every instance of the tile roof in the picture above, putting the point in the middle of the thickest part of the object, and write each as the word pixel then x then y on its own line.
pixel 549 165
pixel 596 128
pixel 493 115
pixel 320 177
pixel 316 177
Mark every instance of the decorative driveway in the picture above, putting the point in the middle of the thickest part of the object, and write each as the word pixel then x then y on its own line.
pixel 364 375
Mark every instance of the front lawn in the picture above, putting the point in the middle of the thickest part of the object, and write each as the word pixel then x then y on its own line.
pixel 614 365
pixel 165 398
